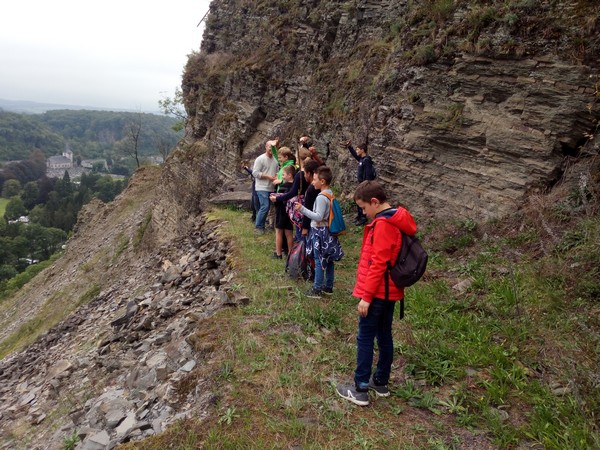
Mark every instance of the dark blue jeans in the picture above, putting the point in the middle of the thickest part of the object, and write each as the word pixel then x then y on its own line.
pixel 377 324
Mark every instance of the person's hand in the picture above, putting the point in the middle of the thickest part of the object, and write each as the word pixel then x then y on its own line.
pixel 297 206
pixel 303 139
pixel 363 308
pixel 349 143
pixel 276 181
pixel 272 198
pixel 304 231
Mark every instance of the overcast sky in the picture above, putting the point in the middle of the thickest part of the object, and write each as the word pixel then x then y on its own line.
pixel 125 54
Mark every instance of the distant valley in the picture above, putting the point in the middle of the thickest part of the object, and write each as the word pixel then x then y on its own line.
pixel 30 107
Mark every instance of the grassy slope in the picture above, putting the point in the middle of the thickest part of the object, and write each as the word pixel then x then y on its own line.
pixel 510 361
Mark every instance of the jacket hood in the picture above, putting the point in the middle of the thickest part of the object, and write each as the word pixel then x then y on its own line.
pixel 398 217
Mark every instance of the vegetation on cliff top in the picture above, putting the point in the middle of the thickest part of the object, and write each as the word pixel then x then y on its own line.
pixel 420 33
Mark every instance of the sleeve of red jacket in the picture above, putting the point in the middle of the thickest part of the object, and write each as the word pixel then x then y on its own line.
pixel 386 239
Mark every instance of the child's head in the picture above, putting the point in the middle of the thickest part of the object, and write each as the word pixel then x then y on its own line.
pixel 310 167
pixel 369 190
pixel 361 150
pixel 283 154
pixel 323 177
pixel 288 173
pixel 303 153
pixel 370 197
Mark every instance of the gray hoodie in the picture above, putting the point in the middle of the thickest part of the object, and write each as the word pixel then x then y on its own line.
pixel 319 216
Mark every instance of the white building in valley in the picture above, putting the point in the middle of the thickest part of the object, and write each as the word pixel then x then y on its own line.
pixel 65 161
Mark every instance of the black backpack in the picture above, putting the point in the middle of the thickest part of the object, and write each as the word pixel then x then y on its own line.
pixel 298 265
pixel 411 263
pixel 408 268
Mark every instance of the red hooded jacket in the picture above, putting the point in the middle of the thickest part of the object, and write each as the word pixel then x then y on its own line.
pixel 381 243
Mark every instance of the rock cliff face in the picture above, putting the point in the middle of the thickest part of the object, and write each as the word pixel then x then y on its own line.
pixel 466 106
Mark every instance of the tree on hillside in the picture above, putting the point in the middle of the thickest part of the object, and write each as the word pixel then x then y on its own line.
pixel 131 144
pixel 45 186
pixel 64 187
pixel 15 209
pixel 43 242
pixel 30 194
pixel 174 107
pixel 31 169
pixel 163 145
pixel 11 188
pixel 7 272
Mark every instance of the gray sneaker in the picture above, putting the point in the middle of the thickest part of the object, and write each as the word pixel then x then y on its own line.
pixel 349 392
pixel 381 391
pixel 313 293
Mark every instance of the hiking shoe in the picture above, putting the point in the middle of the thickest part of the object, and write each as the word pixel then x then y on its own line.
pixel 276 256
pixel 349 392
pixel 259 231
pixel 313 293
pixel 327 291
pixel 381 391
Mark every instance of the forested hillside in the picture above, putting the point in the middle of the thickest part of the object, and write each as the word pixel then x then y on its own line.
pixel 51 207
pixel 90 134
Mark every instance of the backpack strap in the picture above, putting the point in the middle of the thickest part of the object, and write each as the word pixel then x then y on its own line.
pixel 386 277
pixel 330 215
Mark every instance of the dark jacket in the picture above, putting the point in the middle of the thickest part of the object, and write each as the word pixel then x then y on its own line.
pixel 381 244
pixel 309 201
pixel 300 185
pixel 366 170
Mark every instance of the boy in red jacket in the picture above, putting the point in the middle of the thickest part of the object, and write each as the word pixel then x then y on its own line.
pixel 381 243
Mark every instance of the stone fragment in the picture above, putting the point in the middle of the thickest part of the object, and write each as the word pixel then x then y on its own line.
pixel 60 369
pixel 97 441
pixel 170 275
pixel 188 367
pixel 114 418
pixel 126 425
pixel 463 286
pixel 27 398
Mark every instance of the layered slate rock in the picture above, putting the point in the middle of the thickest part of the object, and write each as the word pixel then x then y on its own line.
pixel 461 119
pixel 115 364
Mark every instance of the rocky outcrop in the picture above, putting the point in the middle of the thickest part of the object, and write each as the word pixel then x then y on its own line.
pixel 112 371
pixel 466 110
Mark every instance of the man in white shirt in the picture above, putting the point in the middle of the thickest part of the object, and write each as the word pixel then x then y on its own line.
pixel 264 171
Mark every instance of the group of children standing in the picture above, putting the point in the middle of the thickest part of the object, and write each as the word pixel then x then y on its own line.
pixel 308 187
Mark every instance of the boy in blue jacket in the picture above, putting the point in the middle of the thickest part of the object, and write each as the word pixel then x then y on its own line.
pixel 366 171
